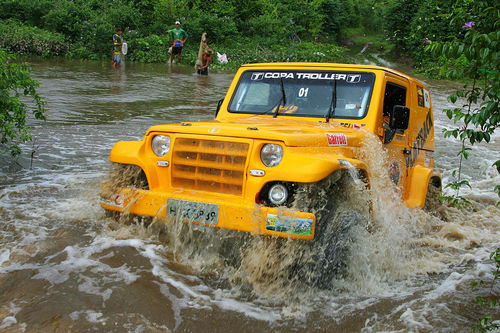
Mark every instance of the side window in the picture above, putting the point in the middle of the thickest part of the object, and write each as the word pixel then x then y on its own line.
pixel 394 95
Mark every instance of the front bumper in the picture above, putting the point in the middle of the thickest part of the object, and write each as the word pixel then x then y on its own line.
pixel 222 211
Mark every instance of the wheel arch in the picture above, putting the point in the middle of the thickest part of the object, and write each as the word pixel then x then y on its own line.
pixel 421 177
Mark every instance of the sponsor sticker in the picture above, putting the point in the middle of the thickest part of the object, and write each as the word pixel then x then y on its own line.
pixel 297 226
pixel 395 172
pixel 336 139
pixel 116 201
pixel 257 76
pixel 420 96
pixel 353 78
pixel 427 98
pixel 349 78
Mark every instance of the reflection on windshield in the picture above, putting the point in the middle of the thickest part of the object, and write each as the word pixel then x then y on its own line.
pixel 308 94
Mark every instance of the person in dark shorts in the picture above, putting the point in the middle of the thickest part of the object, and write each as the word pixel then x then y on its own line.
pixel 206 60
pixel 116 57
pixel 179 37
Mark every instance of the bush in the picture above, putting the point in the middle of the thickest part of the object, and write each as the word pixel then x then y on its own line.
pixel 16 84
pixel 27 11
pixel 152 48
pixel 249 52
pixel 24 39
pixel 411 24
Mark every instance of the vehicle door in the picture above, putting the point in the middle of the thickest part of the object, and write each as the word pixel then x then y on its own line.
pixel 396 92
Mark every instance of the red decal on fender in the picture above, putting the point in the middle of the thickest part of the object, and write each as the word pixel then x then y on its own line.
pixel 337 139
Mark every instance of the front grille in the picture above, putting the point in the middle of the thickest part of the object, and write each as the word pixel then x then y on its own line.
pixel 214 166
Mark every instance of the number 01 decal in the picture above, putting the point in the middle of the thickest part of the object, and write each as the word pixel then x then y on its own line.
pixel 303 92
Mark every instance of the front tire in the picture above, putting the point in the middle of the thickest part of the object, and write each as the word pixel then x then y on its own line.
pixel 332 247
pixel 340 205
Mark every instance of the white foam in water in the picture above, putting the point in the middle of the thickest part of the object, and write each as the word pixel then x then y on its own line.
pixel 78 260
pixel 4 256
pixel 11 320
pixel 89 315
pixel 248 309
pixel 448 286
pixel 8 321
pixel 415 321
pixel 89 286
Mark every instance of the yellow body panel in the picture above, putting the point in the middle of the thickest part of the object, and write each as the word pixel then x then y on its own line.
pixel 218 162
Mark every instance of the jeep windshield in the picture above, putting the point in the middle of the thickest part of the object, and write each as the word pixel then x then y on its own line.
pixel 335 94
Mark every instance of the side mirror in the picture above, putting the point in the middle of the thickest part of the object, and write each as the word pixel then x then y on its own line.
pixel 399 117
pixel 218 106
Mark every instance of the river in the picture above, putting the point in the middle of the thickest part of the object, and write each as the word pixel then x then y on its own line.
pixel 65 266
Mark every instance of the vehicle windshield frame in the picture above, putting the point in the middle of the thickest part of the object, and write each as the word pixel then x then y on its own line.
pixel 368 83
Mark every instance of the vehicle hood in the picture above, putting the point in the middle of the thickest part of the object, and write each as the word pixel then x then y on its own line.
pixel 293 133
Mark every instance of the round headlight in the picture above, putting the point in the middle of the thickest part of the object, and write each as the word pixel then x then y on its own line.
pixel 160 145
pixel 271 154
pixel 278 194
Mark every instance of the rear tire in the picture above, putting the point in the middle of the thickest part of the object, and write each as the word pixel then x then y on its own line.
pixel 432 202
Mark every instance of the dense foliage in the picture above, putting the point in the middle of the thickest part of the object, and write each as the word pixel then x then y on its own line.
pixel 16 85
pixel 478 46
pixel 25 39
pixel 83 29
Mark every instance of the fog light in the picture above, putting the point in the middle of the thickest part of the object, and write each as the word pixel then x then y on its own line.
pixel 278 194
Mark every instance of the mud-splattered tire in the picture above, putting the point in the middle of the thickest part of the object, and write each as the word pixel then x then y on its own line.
pixel 339 206
pixel 432 202
pixel 336 234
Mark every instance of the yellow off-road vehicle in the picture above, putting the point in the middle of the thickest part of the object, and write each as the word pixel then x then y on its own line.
pixel 281 127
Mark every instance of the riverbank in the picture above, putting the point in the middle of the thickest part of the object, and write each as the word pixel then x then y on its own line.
pixel 356 47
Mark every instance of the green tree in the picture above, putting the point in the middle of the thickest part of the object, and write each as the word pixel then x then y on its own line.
pixel 16 84
pixel 338 14
pixel 479 44
pixel 479 116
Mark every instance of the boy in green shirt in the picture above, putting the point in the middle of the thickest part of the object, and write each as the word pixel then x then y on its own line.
pixel 179 37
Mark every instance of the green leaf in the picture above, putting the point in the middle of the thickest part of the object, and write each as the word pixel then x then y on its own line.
pixel 497 165
pixel 483 53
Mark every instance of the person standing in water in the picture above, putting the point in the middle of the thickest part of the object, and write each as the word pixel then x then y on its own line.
pixel 179 37
pixel 116 58
pixel 206 60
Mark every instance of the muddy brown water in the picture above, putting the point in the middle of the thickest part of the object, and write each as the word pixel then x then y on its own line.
pixel 65 266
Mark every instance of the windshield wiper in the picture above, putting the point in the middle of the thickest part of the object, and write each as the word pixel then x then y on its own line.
pixel 282 99
pixel 333 103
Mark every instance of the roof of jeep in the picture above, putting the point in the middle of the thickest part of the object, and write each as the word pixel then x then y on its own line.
pixel 305 65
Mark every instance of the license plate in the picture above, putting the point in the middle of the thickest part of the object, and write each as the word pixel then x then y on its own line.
pixel 193 211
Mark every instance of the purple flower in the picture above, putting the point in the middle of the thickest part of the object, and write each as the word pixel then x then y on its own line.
pixel 7 62
pixel 468 25
pixel 426 41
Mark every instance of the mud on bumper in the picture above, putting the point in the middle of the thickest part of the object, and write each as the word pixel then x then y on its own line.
pixel 213 211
